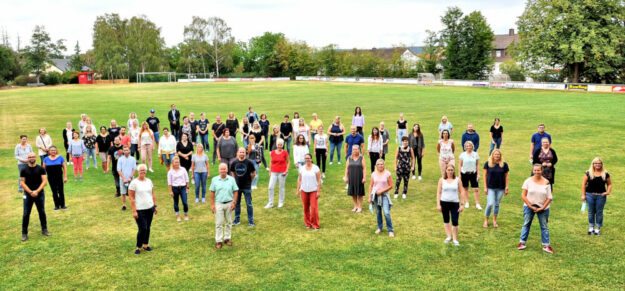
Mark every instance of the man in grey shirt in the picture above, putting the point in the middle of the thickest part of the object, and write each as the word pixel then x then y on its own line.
pixel 227 148
pixel 22 150
pixel 386 137
pixel 126 168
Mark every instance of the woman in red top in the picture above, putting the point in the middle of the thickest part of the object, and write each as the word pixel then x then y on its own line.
pixel 279 169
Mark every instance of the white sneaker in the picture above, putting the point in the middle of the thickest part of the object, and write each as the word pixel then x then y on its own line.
pixel 339 162
pixel 395 196
pixel 403 196
pixel 267 169
pixel 330 163
pixel 466 205
pixel 346 187
pixel 478 207
pixel 280 205
pixel 152 171
pixel 420 178
pixel 447 240
pixel 323 175
pixel 254 187
pixel 456 243
pixel 414 177
pixel 268 206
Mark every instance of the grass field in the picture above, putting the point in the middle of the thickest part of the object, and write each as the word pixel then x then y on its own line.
pixel 92 243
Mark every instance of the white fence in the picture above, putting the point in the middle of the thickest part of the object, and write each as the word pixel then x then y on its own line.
pixel 233 80
pixel 469 83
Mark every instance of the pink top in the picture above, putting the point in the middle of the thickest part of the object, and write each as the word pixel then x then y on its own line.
pixel 537 193
pixel 178 177
pixel 380 182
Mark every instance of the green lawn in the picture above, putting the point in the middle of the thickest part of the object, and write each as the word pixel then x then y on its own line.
pixel 92 243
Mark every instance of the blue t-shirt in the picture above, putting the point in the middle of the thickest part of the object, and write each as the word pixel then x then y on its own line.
pixel 352 140
pixel 537 140
pixel 126 165
pixel 50 162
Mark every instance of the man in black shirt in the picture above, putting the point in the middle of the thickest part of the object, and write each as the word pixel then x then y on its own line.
pixel 155 125
pixel 243 171
pixel 32 180
pixel 174 121
pixel 217 132
pixel 286 129
pixel 114 153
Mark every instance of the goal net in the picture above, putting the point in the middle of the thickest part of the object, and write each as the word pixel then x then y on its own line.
pixel 498 81
pixel 426 78
pixel 156 77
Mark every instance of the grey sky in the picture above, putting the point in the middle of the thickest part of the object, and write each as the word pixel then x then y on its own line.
pixel 349 24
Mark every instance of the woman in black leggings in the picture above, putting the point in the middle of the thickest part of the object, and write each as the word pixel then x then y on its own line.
pixel 448 202
pixel 417 144
pixel 320 147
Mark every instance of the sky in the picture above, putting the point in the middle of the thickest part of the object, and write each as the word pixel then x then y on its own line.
pixel 349 24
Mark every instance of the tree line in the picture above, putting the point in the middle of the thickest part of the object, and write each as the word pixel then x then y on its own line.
pixel 575 41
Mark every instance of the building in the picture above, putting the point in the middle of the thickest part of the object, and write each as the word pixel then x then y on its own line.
pixel 85 77
pixel 500 48
pixel 61 66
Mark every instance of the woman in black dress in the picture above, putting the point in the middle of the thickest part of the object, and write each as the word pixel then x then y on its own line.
pixel 184 149
pixel 355 177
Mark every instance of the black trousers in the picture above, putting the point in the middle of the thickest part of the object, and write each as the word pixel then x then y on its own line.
pixel 419 165
pixel 116 178
pixel 450 208
pixel 373 158
pixel 144 222
pixel 39 201
pixel 404 177
pixel 58 193
pixel 175 130
pixel 320 154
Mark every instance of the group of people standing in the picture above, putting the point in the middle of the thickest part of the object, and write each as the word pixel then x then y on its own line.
pixel 183 148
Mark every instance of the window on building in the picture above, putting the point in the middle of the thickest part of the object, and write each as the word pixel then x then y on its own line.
pixel 88 77
pixel 498 53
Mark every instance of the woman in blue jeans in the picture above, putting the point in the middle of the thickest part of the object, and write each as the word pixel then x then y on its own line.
pixel 496 183
pixel 200 170
pixel 595 194
pixel 336 131
pixel 496 135
pixel 537 197
pixel 381 183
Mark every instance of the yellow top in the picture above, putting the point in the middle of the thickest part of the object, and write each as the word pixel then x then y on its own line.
pixel 314 124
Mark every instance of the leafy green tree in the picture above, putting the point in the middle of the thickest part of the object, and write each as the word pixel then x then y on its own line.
pixel 77 62
pixel 221 43
pixel 512 69
pixel 196 37
pixel 432 53
pixel 37 54
pixel 58 49
pixel 260 53
pixel 327 60
pixel 584 38
pixel 9 64
pixel 145 46
pixel 108 45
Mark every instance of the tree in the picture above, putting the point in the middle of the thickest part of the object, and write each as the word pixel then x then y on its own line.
pixel 9 64
pixel 58 49
pixel 196 39
pixel 221 42
pixel 468 45
pixel 107 45
pixel 145 45
pixel 260 51
pixel 327 61
pixel 582 37
pixel 37 54
pixel 512 69
pixel 432 53
pixel 77 62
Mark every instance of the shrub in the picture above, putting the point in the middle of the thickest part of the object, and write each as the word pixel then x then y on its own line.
pixel 69 77
pixel 52 78
pixel 22 80
pixel 2 83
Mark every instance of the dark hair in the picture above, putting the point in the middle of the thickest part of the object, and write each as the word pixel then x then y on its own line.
pixel 375 128
pixel 308 155
pixel 226 130
pixel 53 147
pixel 184 134
pixel 249 108
pixel 358 111
pixel 404 138
pixel 186 117
pixel 542 124
pixel 125 147
pixel 295 113
pixel 297 142
pixel 263 114
pixel 123 126
pixel 102 127
pixel 442 132
pixel 286 116
pixel 419 134
pixel 165 128
pixel 23 136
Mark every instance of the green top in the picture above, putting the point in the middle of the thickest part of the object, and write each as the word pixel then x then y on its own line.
pixel 223 188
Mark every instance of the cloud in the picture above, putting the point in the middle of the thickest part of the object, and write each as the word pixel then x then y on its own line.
pixel 349 24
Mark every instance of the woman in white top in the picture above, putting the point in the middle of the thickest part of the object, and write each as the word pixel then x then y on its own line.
pixel 320 148
pixel 309 188
pixel 43 142
pixel 446 149
pixel 90 124
pixel 295 122
pixel 303 129
pixel 448 202
pixel 167 148
pixel 469 174
pixel 300 149
pixel 375 146
pixel 537 197
pixel 134 131
pixel 146 142
pixel 143 203
pixel 132 117
pixel 445 125
pixel 178 183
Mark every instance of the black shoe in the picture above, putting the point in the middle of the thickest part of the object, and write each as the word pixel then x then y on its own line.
pixel 24 237
pixel 117 195
pixel 148 249
pixel 124 208
pixel 45 232
pixel 64 207
pixel 56 209
pixel 137 251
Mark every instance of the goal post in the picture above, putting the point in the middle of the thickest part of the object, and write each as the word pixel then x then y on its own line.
pixel 498 81
pixel 156 77
pixel 426 78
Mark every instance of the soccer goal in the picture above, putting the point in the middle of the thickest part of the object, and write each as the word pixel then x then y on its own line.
pixel 498 81
pixel 156 77
pixel 426 78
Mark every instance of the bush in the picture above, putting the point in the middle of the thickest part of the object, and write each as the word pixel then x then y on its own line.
pixel 2 83
pixel 22 80
pixel 52 78
pixel 69 77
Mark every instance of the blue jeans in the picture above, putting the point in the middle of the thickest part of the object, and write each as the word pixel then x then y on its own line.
pixel 255 181
pixel 338 147
pixel 91 154
pixel 386 208
pixel 200 181
pixel 248 202
pixel 204 142
pixel 494 198
pixel 287 144
pixel 19 170
pixel 492 145
pixel 543 218
pixel 401 133
pixel 156 136
pixel 595 209
pixel 312 137
pixel 246 142
pixel 180 193
pixel 167 159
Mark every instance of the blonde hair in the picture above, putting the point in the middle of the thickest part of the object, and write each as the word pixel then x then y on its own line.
pixel 446 176
pixel 591 171
pixel 468 142
pixel 491 163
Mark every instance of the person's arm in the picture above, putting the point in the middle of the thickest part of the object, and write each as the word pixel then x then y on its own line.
pixel 555 158
pixel 299 184
pixel 460 162
pixel 584 182
pixel 218 151
pixel 492 140
pixel 438 147
pixel 213 201
pixel 477 172
pixel 439 191
pixel 369 144
pixel 154 200
pixel 288 164
pixel 108 163
pixel 370 191
pixel 342 129
pixel 120 172
pixel 535 157
pixel 64 164
pixel 527 202
pixel 500 143
pixel 192 166
pixel 208 170
pixel 396 158
pixel 364 171
pixel 505 191
pixel 485 182
pixel 346 177
pixel 34 193
pixel 532 150
pixel 477 142
pixel 412 159
pixel 609 182
pixel 461 208
pixel 453 147
pixel 133 206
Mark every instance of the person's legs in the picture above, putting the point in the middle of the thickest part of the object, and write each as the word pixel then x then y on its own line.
pixel 61 194
pixel 273 178
pixel 141 227
pixel 318 157
pixel 332 148
pixel 228 226
pixel 148 226
pixel 445 209
pixel 40 201
pixel 214 150
pixel 116 178
pixel 287 143
pixel 600 204
pixel 443 165
pixel 237 210
pixel 148 156
pixel 183 198
pixel 177 191
pixel 220 219
pixel 314 210
pixel 281 181
pixel 339 148
pixel 543 219
pixel 379 213
pixel 248 203
pixel 406 179
pixel 19 170
pixel 324 156
pixel 591 202
pixel 528 216
pixel 397 183
pixel 490 202
pixel 197 179
pixel 386 207
pixel 75 166
pixel 28 206
pixel 498 196
pixel 54 187
pixel 255 181
pixel 419 163
pixel 203 177
pixel 79 166
pixel 306 203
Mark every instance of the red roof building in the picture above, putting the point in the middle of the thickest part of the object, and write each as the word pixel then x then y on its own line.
pixel 85 77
